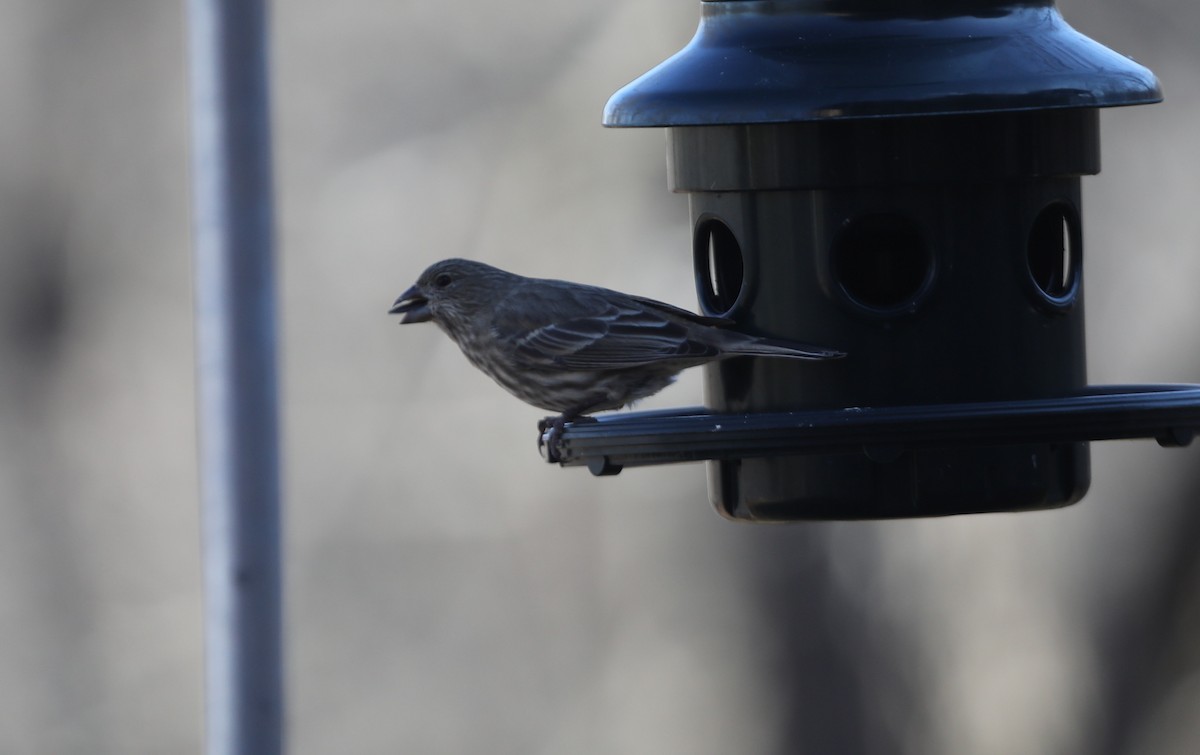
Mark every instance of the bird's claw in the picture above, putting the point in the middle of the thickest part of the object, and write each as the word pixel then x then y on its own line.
pixel 550 430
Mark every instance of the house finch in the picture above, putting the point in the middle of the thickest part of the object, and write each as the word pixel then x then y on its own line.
pixel 570 348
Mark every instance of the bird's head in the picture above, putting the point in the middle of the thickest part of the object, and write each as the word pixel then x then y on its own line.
pixel 452 292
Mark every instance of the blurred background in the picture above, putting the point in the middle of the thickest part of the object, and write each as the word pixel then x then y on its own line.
pixel 448 592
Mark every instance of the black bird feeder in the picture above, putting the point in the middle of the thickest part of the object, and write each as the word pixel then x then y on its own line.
pixel 899 180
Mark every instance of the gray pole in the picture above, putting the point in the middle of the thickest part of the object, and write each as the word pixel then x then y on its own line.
pixel 236 376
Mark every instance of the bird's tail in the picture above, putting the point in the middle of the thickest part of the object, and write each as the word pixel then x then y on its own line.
pixel 757 346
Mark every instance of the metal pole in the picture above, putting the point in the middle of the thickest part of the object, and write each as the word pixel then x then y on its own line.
pixel 236 376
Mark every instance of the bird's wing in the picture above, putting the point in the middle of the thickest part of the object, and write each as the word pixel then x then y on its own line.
pixel 683 314
pixel 616 333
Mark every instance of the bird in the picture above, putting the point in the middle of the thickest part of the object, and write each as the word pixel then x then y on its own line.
pixel 570 348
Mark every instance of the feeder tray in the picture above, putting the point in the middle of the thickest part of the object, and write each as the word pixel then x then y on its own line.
pixel 1169 413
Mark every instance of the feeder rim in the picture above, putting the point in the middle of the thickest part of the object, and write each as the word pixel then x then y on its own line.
pixel 1167 412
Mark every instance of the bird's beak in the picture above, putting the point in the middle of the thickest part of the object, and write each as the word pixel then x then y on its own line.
pixel 413 305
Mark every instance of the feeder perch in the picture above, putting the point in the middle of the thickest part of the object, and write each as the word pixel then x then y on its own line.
pixel 901 181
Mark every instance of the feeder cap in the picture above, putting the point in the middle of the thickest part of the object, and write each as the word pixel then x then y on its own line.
pixel 779 61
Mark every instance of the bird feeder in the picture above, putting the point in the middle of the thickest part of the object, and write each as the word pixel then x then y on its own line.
pixel 901 181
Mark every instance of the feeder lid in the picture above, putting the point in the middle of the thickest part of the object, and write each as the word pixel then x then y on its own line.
pixel 777 61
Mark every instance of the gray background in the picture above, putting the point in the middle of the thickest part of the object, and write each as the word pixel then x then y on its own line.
pixel 447 591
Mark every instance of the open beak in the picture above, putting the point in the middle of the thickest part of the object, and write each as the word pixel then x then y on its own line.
pixel 413 305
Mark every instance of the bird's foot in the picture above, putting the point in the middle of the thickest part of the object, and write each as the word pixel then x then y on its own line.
pixel 550 431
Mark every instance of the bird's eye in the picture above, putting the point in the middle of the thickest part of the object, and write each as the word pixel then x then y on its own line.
pixel 442 280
